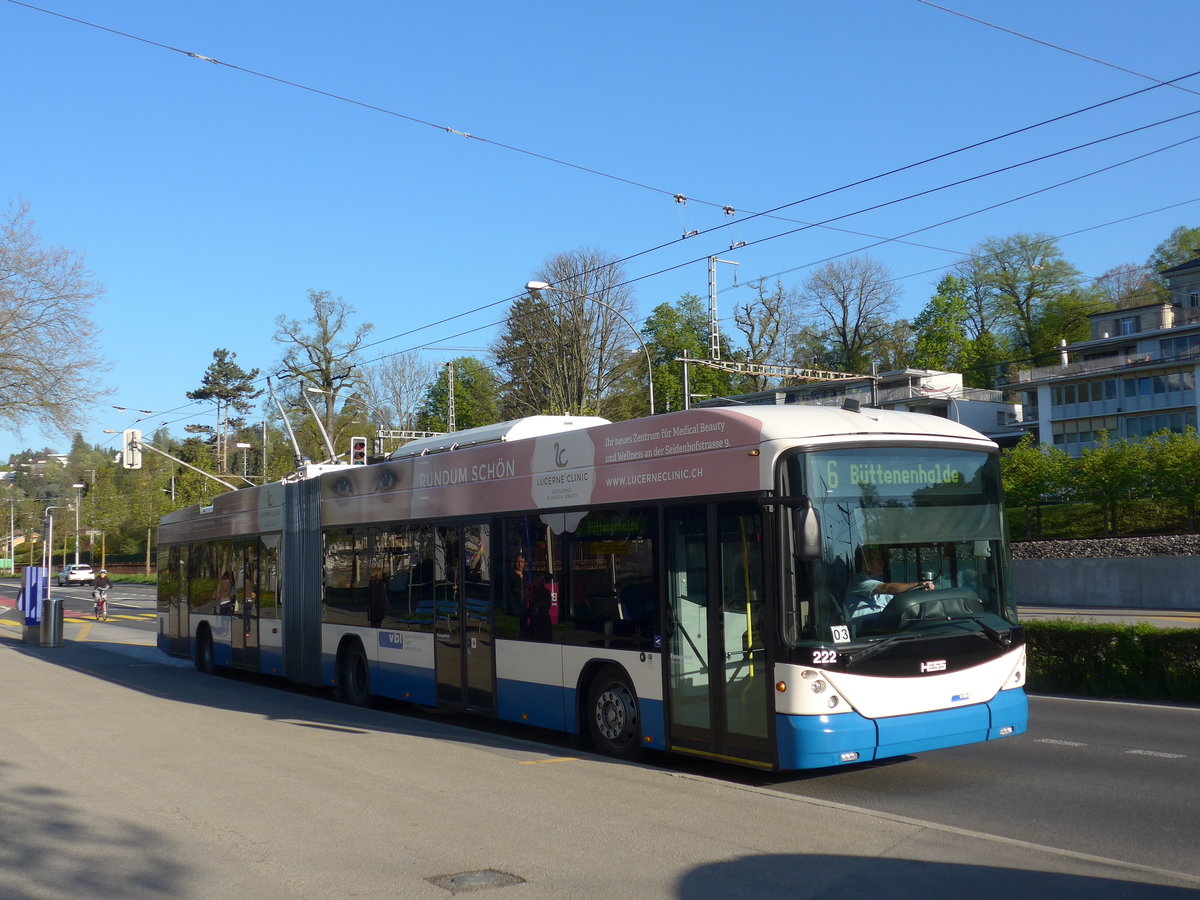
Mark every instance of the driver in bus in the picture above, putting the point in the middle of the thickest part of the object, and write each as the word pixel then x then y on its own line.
pixel 868 594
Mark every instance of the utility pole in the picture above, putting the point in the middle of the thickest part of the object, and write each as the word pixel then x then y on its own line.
pixel 714 328
pixel 450 397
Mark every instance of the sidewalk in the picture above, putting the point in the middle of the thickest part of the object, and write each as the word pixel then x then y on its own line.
pixel 231 788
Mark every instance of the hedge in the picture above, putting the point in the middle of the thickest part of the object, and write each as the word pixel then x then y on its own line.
pixel 1114 661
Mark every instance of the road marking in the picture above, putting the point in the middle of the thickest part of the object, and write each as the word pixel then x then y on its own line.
pixel 1157 754
pixel 553 759
pixel 1059 743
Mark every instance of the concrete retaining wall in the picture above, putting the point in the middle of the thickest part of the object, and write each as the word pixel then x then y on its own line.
pixel 1142 582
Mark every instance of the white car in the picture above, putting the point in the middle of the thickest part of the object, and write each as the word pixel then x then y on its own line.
pixel 78 573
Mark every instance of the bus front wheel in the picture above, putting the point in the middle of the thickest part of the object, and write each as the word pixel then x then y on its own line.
pixel 614 725
pixel 354 677
pixel 204 652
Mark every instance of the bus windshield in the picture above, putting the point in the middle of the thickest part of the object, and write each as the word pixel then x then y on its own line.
pixel 911 540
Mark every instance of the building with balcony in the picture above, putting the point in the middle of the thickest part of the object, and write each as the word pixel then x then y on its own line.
pixel 1136 374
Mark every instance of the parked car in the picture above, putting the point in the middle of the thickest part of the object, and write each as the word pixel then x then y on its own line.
pixel 77 573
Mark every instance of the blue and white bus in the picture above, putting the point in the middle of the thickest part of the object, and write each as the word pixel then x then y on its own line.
pixel 689 582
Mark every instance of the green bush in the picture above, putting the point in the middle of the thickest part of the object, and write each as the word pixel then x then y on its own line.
pixel 1115 661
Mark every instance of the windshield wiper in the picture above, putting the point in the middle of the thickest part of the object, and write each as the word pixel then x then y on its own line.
pixel 997 637
pixel 853 659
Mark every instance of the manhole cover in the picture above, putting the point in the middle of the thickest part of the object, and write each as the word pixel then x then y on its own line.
pixel 481 880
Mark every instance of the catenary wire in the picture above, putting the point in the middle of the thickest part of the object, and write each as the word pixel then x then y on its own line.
pixel 593 171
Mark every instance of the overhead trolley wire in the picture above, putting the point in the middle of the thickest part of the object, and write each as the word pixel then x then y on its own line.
pixel 675 195
pixel 1068 51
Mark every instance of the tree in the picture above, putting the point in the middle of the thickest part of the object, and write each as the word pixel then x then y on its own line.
pixel 476 397
pixel 230 388
pixel 941 335
pixel 854 300
pixel 1016 281
pixel 392 390
pixel 672 330
pixel 1127 286
pixel 766 322
pixel 1031 472
pixel 1108 474
pixel 48 374
pixel 1180 246
pixel 1173 464
pixel 566 350
pixel 322 353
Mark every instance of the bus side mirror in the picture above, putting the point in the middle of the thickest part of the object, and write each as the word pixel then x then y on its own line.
pixel 808 532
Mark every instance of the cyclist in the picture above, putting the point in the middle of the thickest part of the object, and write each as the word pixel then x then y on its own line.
pixel 100 594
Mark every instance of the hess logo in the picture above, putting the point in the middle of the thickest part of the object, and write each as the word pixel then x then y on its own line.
pixel 934 665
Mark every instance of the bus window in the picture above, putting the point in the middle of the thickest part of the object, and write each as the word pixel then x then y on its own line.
pixel 346 575
pixel 612 596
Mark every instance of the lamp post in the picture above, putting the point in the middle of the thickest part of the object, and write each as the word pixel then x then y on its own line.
pixel 245 448
pixel 48 544
pixel 78 488
pixel 12 533
pixel 538 286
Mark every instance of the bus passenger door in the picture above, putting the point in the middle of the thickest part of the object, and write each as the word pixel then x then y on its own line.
pixel 175 588
pixel 718 679
pixel 243 624
pixel 464 621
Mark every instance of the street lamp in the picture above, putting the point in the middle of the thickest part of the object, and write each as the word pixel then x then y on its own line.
pixel 538 286
pixel 78 488
pixel 48 543
pixel 244 447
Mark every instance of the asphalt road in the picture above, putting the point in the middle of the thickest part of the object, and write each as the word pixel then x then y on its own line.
pixel 1120 780
pixel 1114 780
pixel 130 775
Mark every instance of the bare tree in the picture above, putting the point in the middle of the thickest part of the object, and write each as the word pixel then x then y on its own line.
pixel 1128 285
pixel 48 373
pixel 321 353
pixel 394 389
pixel 767 322
pixel 854 301
pixel 566 349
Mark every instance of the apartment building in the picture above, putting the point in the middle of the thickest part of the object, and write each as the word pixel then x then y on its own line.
pixel 1136 374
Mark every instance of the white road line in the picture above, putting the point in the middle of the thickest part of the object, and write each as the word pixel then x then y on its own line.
pixel 1059 743
pixel 1158 754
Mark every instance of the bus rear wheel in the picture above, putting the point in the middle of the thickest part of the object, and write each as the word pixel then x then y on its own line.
pixel 354 677
pixel 613 722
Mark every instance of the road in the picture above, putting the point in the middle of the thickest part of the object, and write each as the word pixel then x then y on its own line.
pixel 1113 779
pixel 1093 783
pixel 129 774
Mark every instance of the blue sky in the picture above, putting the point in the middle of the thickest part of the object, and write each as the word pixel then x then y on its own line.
pixel 209 199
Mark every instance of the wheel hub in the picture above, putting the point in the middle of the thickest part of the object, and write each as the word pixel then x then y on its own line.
pixel 614 714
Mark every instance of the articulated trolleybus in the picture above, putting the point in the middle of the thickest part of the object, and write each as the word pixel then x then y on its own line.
pixel 782 587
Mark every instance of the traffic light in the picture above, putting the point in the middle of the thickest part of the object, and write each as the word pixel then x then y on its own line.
pixel 131 450
pixel 358 451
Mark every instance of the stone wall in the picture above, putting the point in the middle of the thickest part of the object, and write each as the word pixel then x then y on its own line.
pixel 1155 572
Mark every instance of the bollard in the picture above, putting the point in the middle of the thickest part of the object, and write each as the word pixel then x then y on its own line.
pixel 52 622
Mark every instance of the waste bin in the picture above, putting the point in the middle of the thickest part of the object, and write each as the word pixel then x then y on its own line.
pixel 52 622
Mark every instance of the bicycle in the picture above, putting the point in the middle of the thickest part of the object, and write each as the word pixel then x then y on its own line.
pixel 100 595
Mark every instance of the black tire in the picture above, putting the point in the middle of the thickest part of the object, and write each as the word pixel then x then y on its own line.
pixel 204 652
pixel 354 676
pixel 613 719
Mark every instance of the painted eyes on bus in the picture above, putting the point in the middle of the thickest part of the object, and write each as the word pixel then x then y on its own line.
pixel 375 482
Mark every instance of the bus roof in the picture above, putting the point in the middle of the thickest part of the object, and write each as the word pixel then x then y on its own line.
pixel 531 426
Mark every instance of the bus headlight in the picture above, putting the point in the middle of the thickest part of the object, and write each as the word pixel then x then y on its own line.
pixel 818 686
